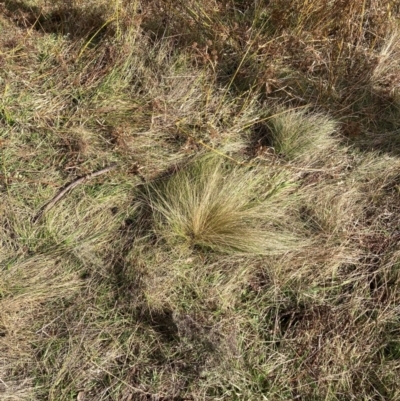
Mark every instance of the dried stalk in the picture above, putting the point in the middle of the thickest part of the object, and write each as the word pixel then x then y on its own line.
pixel 45 208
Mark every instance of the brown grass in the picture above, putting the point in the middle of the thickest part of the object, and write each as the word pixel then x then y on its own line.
pixel 260 142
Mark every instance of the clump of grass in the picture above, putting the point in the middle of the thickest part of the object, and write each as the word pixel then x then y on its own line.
pixel 297 134
pixel 211 204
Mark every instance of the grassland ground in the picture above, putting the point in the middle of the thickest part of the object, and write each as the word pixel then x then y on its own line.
pixel 246 246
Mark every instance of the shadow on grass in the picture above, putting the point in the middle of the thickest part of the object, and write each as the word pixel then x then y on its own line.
pixel 63 19
pixel 377 128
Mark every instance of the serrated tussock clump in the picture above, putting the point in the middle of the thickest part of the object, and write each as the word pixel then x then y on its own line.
pixel 299 135
pixel 211 204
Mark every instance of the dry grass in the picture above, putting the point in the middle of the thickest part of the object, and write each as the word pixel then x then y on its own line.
pixel 212 204
pixel 296 135
pixel 246 246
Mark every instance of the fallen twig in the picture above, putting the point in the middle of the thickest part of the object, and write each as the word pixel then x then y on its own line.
pixel 45 208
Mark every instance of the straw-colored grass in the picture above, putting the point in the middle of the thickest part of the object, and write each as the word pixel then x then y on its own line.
pixel 245 247
pixel 300 135
pixel 211 203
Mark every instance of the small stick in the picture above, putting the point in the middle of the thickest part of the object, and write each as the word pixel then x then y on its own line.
pixel 45 208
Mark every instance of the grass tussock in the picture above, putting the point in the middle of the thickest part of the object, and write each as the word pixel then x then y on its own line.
pixel 295 134
pixel 212 204
pixel 245 247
